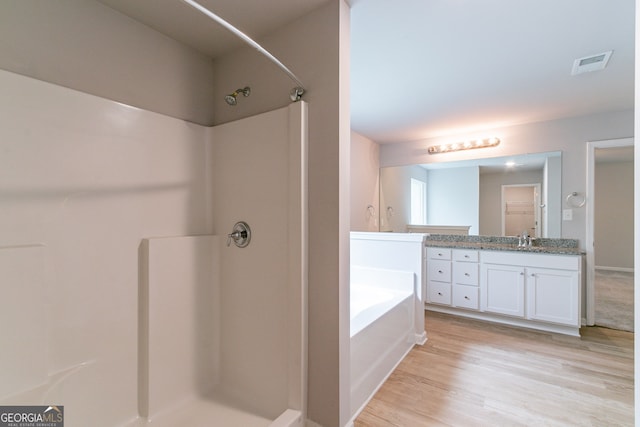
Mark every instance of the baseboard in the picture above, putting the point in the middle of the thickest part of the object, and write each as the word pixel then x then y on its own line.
pixel 621 269
pixel 421 339
pixel 351 422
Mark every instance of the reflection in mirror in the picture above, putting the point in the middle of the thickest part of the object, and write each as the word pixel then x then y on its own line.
pixel 466 197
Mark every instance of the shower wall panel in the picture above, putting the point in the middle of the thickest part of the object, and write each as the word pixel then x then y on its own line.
pixel 179 321
pixel 84 180
pixel 258 167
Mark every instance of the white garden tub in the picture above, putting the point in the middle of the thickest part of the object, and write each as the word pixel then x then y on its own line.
pixel 382 327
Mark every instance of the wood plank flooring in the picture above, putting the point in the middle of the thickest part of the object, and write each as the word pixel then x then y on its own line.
pixel 475 373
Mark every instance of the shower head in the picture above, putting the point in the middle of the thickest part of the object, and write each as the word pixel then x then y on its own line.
pixel 232 99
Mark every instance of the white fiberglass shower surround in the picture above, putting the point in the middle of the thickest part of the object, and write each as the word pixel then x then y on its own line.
pixel 121 300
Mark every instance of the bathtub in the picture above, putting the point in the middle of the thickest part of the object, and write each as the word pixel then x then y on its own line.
pixel 382 306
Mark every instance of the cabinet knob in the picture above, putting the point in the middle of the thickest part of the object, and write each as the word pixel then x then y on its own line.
pixel 533 275
pixel 522 274
pixel 466 256
pixel 467 274
pixel 466 297
pixel 440 271
pixel 440 293
pixel 439 254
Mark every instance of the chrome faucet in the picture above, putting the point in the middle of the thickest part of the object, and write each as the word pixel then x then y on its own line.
pixel 522 239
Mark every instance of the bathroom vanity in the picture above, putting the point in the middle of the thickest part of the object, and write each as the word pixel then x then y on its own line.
pixel 494 279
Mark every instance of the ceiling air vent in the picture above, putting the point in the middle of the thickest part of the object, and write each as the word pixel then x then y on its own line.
pixel 591 63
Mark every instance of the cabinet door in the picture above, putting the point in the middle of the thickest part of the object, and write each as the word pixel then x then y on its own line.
pixel 553 296
pixel 502 289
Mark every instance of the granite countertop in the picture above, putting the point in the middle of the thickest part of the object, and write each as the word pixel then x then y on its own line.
pixel 497 243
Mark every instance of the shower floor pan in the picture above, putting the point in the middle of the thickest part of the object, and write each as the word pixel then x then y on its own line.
pixel 216 411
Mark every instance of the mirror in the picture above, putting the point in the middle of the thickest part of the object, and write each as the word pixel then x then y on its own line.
pixel 466 197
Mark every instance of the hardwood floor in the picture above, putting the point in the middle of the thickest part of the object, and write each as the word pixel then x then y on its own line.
pixel 474 373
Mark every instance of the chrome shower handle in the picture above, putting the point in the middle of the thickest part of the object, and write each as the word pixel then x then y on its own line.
pixel 235 236
pixel 241 235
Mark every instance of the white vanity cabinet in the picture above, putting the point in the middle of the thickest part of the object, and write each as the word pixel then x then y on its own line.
pixel 439 276
pixel 539 287
pixel 452 277
pixel 537 290
pixel 465 284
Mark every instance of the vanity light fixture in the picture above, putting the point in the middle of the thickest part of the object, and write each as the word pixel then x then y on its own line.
pixel 464 145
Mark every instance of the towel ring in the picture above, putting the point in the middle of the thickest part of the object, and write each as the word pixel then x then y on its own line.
pixel 574 200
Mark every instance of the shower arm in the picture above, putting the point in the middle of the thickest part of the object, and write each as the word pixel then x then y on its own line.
pixel 295 92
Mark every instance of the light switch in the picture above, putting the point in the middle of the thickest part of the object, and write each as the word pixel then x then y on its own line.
pixel 567 214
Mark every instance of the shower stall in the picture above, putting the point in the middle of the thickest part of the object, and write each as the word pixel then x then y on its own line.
pixel 125 299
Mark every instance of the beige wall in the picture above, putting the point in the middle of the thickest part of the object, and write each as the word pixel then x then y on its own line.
pixel 636 205
pixel 567 135
pixel 365 183
pixel 84 45
pixel 491 197
pixel 613 211
pixel 315 48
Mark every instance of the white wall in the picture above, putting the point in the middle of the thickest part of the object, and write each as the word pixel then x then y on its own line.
pixel 365 183
pixel 87 179
pixel 613 211
pixel 567 135
pixel 453 197
pixel 552 197
pixel 316 48
pixel 85 45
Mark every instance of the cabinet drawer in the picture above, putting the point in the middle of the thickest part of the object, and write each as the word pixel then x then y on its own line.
pixel 439 253
pixel 465 273
pixel 439 270
pixel 439 293
pixel 465 255
pixel 466 297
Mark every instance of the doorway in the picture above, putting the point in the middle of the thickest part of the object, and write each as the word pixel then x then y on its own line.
pixel 609 236
pixel 521 210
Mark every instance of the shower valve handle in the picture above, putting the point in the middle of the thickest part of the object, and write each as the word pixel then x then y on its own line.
pixel 235 236
pixel 241 235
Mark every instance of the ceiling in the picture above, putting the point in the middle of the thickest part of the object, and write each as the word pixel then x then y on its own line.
pixel 429 68
pixel 182 22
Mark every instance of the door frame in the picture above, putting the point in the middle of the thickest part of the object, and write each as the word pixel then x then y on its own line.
pixel 590 220
pixel 536 206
